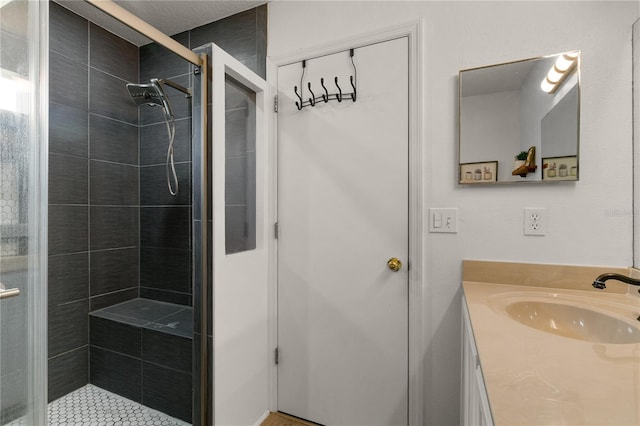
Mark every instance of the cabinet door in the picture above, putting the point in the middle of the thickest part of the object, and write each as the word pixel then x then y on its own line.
pixel 482 409
pixel 475 409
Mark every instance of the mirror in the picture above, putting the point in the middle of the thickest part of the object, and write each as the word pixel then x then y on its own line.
pixel 636 140
pixel 520 121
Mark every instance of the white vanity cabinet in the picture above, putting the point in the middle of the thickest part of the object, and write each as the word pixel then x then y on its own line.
pixel 475 410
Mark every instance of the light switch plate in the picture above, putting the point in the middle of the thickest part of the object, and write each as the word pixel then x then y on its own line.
pixel 443 220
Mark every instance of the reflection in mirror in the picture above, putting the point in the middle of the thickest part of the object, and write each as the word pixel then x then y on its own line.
pixel 524 116
pixel 636 142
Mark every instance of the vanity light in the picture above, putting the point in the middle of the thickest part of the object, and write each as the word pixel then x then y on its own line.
pixel 563 67
pixel 563 63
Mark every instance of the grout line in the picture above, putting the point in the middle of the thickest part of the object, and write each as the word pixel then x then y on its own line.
pixel 89 199
pixel 162 123
pixel 68 352
pixel 167 367
pixel 69 155
pixel 154 206
pixel 69 57
pixel 91 67
pixel 112 249
pixel 94 205
pixel 106 117
pixel 97 160
pixel 163 164
pixel 182 293
pixel 119 353
pixel 70 302
pixel 139 142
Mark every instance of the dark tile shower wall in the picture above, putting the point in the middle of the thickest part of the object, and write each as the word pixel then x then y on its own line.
pixel 93 187
pixel 115 233
pixel 165 221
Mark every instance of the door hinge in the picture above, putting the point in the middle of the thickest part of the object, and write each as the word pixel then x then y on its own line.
pixel 275 103
pixel 275 230
pixel 277 358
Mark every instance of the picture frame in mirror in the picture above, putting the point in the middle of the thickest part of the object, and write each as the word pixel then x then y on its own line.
pixel 560 168
pixel 482 172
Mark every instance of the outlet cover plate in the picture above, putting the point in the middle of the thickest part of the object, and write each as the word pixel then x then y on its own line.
pixel 535 221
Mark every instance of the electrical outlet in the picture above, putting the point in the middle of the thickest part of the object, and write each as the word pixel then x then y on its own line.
pixel 535 221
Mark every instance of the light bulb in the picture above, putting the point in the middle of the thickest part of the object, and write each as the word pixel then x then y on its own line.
pixel 563 63
pixel 547 86
pixel 554 75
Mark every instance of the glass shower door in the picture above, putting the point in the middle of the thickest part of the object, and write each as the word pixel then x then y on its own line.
pixel 23 149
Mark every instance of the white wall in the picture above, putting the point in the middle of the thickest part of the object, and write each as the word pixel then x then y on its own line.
pixel 589 222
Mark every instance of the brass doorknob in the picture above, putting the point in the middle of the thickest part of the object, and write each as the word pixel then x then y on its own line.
pixel 394 264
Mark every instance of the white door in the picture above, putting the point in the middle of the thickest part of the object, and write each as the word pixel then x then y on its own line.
pixel 240 263
pixel 342 214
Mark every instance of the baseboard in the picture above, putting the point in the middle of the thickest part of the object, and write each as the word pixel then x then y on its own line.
pixel 262 418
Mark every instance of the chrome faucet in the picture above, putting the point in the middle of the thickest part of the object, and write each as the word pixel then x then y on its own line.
pixel 599 282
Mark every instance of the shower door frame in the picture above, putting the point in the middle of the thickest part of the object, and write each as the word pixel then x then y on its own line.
pixel 200 172
pixel 35 262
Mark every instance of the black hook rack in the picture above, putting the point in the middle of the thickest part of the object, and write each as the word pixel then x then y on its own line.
pixel 326 96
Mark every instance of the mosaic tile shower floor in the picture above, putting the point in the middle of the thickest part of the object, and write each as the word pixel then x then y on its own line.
pixel 93 406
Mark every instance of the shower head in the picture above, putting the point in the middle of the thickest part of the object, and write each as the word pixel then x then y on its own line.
pixel 151 94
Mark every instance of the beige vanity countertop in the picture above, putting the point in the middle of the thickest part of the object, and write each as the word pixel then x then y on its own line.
pixel 537 378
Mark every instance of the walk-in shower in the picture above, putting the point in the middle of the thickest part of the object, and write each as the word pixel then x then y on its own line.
pixel 153 94
pixel 113 271
pixel 121 317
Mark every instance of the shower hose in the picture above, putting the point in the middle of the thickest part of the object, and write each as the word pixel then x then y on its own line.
pixel 170 164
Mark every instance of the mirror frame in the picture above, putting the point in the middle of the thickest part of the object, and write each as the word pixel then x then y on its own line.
pixel 524 181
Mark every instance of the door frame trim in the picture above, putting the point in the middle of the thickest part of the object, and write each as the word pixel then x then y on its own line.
pixel 414 31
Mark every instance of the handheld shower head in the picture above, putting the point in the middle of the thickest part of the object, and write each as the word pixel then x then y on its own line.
pixel 151 94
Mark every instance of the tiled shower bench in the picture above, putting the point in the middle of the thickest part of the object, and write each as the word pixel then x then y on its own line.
pixel 142 349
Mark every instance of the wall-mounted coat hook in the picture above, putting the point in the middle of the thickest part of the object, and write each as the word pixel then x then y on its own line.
pixel 353 95
pixel 339 94
pixel 326 96
pixel 312 99
pixel 298 104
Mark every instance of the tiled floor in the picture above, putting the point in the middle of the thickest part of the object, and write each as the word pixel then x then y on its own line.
pixel 92 406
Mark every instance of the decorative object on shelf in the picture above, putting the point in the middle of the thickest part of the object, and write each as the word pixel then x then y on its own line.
pixel 519 160
pixel 560 168
pixel 326 97
pixel 529 165
pixel 486 172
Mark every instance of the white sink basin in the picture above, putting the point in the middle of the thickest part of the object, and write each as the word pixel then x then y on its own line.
pixel 574 322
